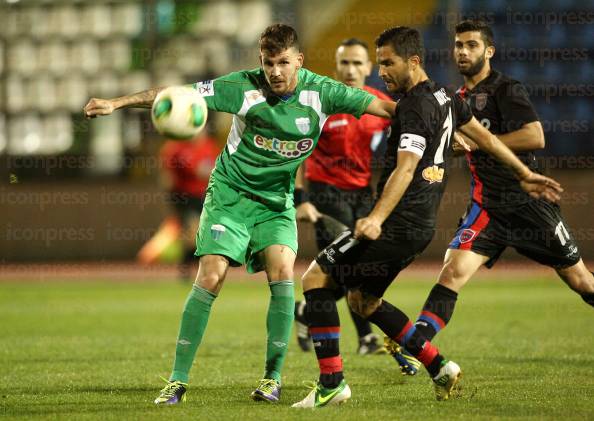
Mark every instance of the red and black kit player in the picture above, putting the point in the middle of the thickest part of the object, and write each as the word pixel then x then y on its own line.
pixel 186 169
pixel 402 221
pixel 338 175
pixel 500 213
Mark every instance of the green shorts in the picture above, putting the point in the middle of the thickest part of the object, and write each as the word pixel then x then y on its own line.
pixel 234 225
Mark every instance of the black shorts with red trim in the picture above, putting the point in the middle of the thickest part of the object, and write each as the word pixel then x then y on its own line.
pixel 535 229
pixel 371 266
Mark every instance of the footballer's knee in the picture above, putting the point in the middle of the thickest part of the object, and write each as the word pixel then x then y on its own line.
pixel 458 267
pixel 363 304
pixel 279 261
pixel 211 273
pixel 578 278
pixel 280 272
pixel 452 277
pixel 314 278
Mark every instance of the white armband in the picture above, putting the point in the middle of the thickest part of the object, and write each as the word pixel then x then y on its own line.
pixel 412 143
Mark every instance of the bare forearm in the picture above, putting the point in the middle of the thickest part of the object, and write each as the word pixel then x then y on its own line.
pixel 142 99
pixel 495 147
pixel 528 138
pixel 381 108
pixel 393 191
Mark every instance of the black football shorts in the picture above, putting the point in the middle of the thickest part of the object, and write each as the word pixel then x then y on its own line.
pixel 535 229
pixel 371 266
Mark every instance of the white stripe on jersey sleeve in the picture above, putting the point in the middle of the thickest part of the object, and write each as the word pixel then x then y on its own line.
pixel 412 143
pixel 250 98
pixel 234 138
pixel 312 99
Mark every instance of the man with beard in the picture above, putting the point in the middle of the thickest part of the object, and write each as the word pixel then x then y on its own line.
pixel 500 213
pixel 278 110
pixel 338 173
pixel 402 221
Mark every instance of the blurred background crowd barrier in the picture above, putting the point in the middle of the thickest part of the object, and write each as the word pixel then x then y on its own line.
pixel 73 189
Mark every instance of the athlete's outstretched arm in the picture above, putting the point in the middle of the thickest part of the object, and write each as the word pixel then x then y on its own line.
pixel 98 107
pixel 529 137
pixel 536 185
pixel 381 108
pixel 371 226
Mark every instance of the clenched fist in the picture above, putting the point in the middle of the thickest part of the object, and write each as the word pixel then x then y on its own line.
pixel 97 106
pixel 368 227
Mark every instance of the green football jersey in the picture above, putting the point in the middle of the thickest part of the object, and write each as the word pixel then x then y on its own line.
pixel 270 136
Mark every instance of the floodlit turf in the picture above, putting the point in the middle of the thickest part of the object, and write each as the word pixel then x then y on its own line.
pixel 94 350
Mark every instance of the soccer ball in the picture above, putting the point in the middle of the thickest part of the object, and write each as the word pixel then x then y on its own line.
pixel 179 112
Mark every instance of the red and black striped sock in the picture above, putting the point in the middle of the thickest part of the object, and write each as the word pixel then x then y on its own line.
pixel 324 327
pixel 394 323
pixel 437 311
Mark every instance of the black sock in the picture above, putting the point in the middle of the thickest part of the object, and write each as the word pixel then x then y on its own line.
pixel 189 256
pixel 300 312
pixel 394 323
pixel 588 298
pixel 363 326
pixel 322 318
pixel 437 311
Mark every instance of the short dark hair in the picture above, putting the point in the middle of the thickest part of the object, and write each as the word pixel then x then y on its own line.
pixel 350 42
pixel 277 38
pixel 478 25
pixel 405 41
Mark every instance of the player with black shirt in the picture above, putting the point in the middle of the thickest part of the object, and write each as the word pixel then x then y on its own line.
pixel 500 213
pixel 402 221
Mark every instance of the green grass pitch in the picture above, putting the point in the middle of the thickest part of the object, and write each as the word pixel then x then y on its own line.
pixel 95 350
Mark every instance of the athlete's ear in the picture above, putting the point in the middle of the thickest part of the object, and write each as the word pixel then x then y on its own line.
pixel 300 59
pixel 414 61
pixel 490 51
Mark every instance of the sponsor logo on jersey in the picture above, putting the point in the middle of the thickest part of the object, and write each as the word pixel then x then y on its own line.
pixel 302 124
pixel 284 148
pixel 467 235
pixel 217 231
pixel 480 101
pixel 433 174
pixel 205 88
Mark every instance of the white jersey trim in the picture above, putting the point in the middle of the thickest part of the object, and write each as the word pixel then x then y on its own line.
pixel 412 143
pixel 234 138
pixel 312 99
pixel 250 98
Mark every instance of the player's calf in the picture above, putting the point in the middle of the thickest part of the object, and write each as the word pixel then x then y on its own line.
pixel 580 280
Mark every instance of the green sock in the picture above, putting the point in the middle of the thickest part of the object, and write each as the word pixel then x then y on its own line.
pixel 191 329
pixel 278 324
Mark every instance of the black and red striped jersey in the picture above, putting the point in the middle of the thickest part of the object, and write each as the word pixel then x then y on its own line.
pixel 500 104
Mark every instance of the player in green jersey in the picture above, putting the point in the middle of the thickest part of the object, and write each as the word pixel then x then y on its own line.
pixel 248 217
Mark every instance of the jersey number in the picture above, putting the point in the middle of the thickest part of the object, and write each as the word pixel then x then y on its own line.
pixel 561 232
pixel 445 139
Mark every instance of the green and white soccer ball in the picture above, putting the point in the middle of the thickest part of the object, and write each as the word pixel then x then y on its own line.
pixel 179 112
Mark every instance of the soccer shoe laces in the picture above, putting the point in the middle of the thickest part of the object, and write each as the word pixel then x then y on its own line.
pixel 312 386
pixel 267 385
pixel 172 386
